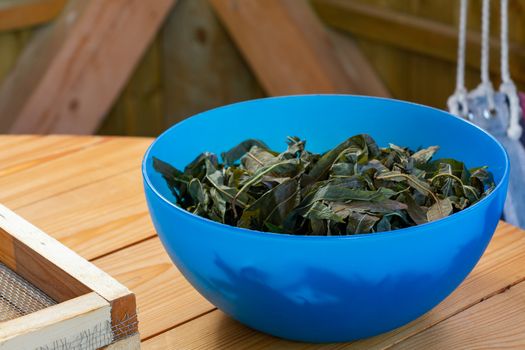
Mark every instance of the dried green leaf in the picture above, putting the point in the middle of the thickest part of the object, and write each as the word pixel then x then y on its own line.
pixel 417 213
pixel 360 223
pixel 272 207
pixel 439 210
pixel 231 156
pixel 354 188
pixel 425 154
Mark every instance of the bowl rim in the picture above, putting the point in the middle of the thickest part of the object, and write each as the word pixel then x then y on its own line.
pixel 287 236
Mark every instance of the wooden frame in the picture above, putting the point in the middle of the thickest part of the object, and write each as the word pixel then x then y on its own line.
pixel 87 297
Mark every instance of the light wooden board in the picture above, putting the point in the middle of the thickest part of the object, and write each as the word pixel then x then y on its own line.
pixel 496 324
pixel 67 79
pixel 88 165
pixel 18 156
pixel 104 218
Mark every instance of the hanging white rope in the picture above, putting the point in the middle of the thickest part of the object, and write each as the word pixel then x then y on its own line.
pixel 507 86
pixel 457 102
pixel 485 88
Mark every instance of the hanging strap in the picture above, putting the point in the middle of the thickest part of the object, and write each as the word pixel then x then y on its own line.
pixel 485 88
pixel 457 102
pixel 507 86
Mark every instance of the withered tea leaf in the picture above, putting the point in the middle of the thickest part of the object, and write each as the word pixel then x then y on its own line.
pixel 354 188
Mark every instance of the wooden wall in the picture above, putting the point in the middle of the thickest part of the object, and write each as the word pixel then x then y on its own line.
pixel 422 74
pixel 192 65
pixel 11 44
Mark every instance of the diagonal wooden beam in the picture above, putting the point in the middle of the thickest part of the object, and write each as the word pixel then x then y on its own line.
pixel 287 46
pixel 72 72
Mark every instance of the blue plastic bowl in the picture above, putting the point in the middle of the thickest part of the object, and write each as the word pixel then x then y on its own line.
pixel 325 289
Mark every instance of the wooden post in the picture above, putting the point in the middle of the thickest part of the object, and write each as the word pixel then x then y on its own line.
pixel 72 72
pixel 287 46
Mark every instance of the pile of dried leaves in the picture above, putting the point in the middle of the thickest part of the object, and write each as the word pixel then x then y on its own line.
pixel 356 187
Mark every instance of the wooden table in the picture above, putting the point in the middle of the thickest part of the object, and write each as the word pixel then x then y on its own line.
pixel 87 192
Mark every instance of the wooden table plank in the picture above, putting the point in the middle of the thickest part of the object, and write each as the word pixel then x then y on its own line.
pixel 18 153
pixel 110 157
pixel 97 218
pixel 500 267
pixel 498 323
pixel 85 191
pixel 164 298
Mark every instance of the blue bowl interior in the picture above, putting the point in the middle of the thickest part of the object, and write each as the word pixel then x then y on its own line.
pixel 324 121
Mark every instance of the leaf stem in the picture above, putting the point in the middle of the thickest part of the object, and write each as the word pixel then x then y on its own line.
pixel 414 184
pixel 254 158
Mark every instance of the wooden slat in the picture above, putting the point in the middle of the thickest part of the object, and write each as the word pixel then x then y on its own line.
pixel 412 33
pixel 57 270
pixel 164 297
pixel 111 218
pixel 18 256
pixel 15 14
pixel 495 324
pixel 106 216
pixel 499 268
pixel 286 46
pixel 67 79
pixel 18 153
pixel 88 165
pixel 76 318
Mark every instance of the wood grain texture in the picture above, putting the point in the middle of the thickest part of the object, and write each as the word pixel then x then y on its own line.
pixel 164 298
pixel 499 268
pixel 286 45
pixel 107 215
pixel 110 217
pixel 30 151
pixel 495 324
pixel 74 81
pixel 90 164
pixel 20 257
pixel 39 258
pixel 15 14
